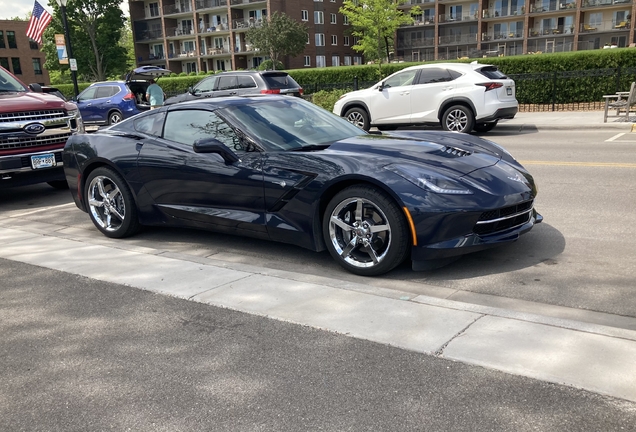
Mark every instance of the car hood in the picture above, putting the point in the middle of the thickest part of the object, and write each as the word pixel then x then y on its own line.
pixel 453 153
pixel 27 101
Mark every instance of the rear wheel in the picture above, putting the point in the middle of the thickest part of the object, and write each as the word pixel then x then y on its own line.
pixel 485 127
pixel 365 231
pixel 358 117
pixel 115 117
pixel 458 118
pixel 110 203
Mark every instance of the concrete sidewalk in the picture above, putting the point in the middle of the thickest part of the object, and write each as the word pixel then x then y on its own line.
pixel 566 120
pixel 595 357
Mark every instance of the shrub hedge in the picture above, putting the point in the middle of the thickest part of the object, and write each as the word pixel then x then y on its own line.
pixel 581 76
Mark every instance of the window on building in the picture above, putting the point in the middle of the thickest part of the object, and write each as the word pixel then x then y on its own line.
pixel 334 40
pixel 318 0
pixel 357 60
pixel 334 19
pixel 17 69
pixel 11 39
pixel 320 61
pixel 356 39
pixel 307 61
pixel 345 20
pixel 345 40
pixel 4 62
pixel 37 66
pixel 319 17
pixel 335 60
pixel 154 9
pixel 320 39
pixel 347 60
pixel 308 40
pixel 33 45
pixel 304 15
pixel 2 45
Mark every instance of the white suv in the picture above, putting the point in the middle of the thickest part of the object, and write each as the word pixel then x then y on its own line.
pixel 461 97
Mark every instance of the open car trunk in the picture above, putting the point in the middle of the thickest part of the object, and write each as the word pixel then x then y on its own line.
pixel 138 81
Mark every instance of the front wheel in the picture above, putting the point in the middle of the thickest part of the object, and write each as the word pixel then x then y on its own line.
pixel 485 127
pixel 115 117
pixel 110 203
pixel 358 117
pixel 365 231
pixel 458 118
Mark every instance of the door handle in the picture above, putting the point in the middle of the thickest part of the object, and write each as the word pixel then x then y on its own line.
pixel 138 146
pixel 232 93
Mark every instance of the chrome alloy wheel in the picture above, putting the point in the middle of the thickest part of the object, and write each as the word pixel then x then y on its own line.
pixel 356 118
pixel 359 232
pixel 106 203
pixel 457 120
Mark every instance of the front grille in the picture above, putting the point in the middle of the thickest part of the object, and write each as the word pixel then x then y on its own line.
pixel 27 116
pixel 504 218
pixel 33 142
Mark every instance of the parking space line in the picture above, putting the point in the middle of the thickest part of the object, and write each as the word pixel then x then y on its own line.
pixel 42 209
pixel 581 164
pixel 615 137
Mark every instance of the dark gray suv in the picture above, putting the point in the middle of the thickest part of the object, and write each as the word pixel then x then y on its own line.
pixel 240 83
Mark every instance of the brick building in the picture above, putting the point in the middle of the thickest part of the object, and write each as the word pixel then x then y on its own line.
pixel 21 55
pixel 205 35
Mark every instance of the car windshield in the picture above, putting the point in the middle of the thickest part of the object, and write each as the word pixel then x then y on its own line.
pixel 10 84
pixel 290 123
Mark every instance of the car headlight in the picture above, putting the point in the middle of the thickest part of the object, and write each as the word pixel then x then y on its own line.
pixel 75 122
pixel 435 183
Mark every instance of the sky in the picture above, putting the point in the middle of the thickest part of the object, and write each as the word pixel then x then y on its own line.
pixel 12 8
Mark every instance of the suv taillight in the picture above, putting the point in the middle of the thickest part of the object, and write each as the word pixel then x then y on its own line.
pixel 301 91
pixel 272 91
pixel 129 96
pixel 491 85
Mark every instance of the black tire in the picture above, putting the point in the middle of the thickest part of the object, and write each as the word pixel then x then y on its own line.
pixel 361 219
pixel 358 117
pixel 458 118
pixel 485 127
pixel 110 203
pixel 58 184
pixel 115 117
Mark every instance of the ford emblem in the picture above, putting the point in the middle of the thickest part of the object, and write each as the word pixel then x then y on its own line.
pixel 34 128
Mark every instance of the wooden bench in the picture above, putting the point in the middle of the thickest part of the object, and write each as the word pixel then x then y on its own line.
pixel 621 102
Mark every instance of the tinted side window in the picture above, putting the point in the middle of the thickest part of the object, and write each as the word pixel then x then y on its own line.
pixel 401 79
pixel 187 126
pixel 279 81
pixel 434 75
pixel 152 124
pixel 103 92
pixel 454 74
pixel 492 72
pixel 227 83
pixel 206 85
pixel 89 93
pixel 246 82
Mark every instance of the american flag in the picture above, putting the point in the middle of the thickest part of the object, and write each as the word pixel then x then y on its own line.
pixel 38 22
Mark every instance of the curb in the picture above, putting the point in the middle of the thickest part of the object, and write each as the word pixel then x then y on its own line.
pixel 630 127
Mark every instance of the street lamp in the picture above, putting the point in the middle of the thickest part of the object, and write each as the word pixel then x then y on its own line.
pixel 69 50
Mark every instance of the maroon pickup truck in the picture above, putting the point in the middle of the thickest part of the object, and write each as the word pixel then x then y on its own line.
pixel 34 127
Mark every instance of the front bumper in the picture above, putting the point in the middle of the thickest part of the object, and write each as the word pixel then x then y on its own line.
pixel 16 170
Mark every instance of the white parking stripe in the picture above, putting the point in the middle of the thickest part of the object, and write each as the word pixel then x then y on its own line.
pixel 43 209
pixel 615 137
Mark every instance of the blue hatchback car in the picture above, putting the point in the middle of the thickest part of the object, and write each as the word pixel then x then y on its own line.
pixel 109 102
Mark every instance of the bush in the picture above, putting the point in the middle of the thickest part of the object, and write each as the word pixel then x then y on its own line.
pixel 327 98
pixel 269 65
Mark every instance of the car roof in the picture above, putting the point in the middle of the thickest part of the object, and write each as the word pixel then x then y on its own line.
pixel 457 66
pixel 224 101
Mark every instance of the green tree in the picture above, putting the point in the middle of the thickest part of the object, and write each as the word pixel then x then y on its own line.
pixel 128 44
pixel 374 23
pixel 95 28
pixel 278 36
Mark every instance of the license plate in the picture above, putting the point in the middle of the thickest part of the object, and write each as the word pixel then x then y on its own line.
pixel 509 91
pixel 43 161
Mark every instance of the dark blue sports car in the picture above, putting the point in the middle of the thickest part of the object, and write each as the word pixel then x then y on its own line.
pixel 281 168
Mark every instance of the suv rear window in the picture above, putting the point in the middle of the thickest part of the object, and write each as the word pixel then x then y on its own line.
pixel 280 81
pixel 492 72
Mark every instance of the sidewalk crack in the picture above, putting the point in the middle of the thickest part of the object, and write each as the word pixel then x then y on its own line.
pixel 440 351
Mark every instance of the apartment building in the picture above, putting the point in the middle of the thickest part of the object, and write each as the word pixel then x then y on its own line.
pixel 209 35
pixel 451 29
pixel 20 55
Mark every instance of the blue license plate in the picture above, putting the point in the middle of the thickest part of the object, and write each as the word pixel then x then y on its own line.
pixel 43 161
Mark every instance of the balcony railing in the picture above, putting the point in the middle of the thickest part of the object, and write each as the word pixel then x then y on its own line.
pixel 417 2
pixel 612 25
pixel 210 4
pixel 597 3
pixel 448 18
pixel 551 31
pixel 182 54
pixel 179 31
pixel 241 2
pixel 216 28
pixel 218 51
pixel 416 43
pixel 246 23
pixel 149 35
pixel 177 9
pixel 457 39
pixel 499 12
pixel 486 37
pixel 421 21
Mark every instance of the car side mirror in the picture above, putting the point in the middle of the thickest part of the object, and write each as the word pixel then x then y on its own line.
pixel 381 86
pixel 192 91
pixel 36 87
pixel 213 145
